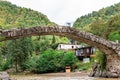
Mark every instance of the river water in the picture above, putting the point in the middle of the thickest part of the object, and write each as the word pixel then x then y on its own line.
pixel 58 76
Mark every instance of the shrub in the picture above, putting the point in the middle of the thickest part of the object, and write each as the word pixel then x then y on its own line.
pixel 70 59
pixel 84 66
pixel 31 63
pixel 5 64
pixel 51 61
pixel 101 59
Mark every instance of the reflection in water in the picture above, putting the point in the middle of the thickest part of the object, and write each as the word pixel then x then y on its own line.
pixel 58 76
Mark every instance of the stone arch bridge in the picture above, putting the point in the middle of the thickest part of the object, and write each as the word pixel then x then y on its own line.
pixel 111 49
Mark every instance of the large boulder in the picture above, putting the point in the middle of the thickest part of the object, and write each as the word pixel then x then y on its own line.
pixel 4 76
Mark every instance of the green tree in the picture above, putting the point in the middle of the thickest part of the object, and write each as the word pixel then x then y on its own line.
pixel 53 40
pixel 112 26
pixel 114 36
pixel 19 50
pixel 51 61
pixel 101 59
pixel 69 59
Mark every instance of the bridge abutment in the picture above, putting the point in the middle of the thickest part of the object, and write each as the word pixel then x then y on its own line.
pixel 113 66
pixel 112 69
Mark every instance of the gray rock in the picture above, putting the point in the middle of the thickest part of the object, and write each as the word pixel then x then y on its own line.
pixel 4 76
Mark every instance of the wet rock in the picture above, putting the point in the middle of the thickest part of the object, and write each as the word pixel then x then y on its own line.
pixel 94 72
pixel 97 74
pixel 112 75
pixel 104 74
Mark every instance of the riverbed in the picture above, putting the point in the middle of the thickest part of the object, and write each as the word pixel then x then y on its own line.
pixel 58 76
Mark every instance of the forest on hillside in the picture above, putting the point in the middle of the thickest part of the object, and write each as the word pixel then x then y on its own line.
pixel 104 23
pixel 12 16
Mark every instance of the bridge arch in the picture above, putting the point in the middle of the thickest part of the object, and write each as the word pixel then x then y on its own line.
pixel 111 49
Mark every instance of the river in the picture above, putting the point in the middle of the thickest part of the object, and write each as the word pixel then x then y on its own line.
pixel 58 76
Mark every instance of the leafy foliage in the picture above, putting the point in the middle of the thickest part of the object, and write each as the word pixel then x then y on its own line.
pixel 101 59
pixel 84 66
pixel 31 63
pixel 70 59
pixel 114 36
pixel 19 50
pixel 4 63
pixel 52 61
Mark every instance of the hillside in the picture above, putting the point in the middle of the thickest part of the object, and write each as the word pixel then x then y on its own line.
pixel 14 16
pixel 104 13
pixel 104 23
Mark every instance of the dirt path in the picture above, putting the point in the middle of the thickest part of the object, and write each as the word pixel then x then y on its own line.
pixel 57 76
pixel 53 76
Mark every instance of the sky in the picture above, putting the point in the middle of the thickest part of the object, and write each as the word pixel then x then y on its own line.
pixel 63 11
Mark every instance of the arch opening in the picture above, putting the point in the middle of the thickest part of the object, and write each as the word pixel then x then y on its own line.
pixel 111 49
